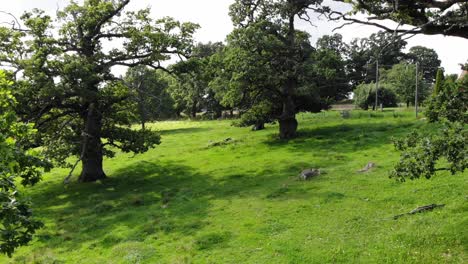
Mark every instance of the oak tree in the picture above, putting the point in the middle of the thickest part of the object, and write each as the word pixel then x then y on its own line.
pixel 66 82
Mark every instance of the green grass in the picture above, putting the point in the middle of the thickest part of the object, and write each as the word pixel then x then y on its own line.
pixel 192 201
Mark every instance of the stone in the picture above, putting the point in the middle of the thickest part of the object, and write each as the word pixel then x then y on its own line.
pixel 369 166
pixel 308 174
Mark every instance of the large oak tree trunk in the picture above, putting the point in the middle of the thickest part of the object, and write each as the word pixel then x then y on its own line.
pixel 91 155
pixel 287 121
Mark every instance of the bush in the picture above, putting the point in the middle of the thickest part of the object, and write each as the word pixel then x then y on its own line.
pixel 449 102
pixel 364 96
pixel 256 116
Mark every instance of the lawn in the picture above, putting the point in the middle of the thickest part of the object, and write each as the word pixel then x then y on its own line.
pixel 197 199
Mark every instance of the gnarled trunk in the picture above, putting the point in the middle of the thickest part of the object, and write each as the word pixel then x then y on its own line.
pixel 288 128
pixel 91 152
pixel 287 121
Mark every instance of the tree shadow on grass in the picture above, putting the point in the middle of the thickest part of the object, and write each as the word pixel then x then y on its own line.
pixel 147 200
pixel 141 201
pixel 186 130
pixel 342 138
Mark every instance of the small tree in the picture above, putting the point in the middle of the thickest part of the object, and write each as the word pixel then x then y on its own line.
pixel 402 78
pixel 449 101
pixel 149 94
pixel 17 160
pixel 421 154
pixel 364 96
pixel 191 89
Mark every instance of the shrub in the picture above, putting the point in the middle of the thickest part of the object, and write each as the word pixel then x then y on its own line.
pixel 364 96
pixel 449 102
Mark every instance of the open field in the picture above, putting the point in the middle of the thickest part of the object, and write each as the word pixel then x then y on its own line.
pixel 192 201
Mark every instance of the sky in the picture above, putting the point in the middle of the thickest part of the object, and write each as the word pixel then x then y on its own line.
pixel 212 16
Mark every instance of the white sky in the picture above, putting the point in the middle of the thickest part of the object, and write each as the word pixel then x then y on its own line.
pixel 212 15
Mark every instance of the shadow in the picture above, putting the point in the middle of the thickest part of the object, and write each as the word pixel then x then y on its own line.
pixel 342 138
pixel 145 200
pixel 188 130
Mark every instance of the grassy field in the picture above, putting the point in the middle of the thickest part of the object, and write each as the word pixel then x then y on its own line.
pixel 192 201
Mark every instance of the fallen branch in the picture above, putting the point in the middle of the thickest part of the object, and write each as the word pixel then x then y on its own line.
pixel 420 209
pixel 67 179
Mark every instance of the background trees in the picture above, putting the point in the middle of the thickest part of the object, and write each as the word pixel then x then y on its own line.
pixel 191 89
pixel 150 95
pixel 402 79
pixel 364 95
pixel 362 55
pixel 67 86
pixel 427 59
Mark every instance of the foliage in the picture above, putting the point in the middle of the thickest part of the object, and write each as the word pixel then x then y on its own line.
pixel 67 86
pixel 364 96
pixel 327 68
pixel 149 92
pixel 438 82
pixel 450 102
pixel 265 33
pixel 17 224
pixel 402 78
pixel 428 61
pixel 420 154
pixel 427 17
pixel 362 53
pixel 258 115
pixel 190 89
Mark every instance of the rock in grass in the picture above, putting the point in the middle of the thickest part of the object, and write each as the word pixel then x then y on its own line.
pixel 221 143
pixel 308 174
pixel 369 166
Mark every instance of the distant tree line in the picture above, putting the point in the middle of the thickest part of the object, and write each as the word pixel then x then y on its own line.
pixel 239 77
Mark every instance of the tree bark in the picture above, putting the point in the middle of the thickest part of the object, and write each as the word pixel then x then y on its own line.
pixel 142 109
pixel 193 111
pixel 259 125
pixel 91 155
pixel 287 121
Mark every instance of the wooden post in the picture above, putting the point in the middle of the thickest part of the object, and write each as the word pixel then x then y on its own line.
pixel 416 92
pixel 376 82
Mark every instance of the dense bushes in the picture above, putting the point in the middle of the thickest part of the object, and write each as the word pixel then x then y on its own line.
pixel 364 96
pixel 421 154
pixel 449 101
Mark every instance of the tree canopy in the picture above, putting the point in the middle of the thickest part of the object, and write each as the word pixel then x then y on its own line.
pixel 66 84
pixel 427 17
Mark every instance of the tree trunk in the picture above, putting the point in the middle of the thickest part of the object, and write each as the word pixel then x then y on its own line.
pixel 91 153
pixel 193 111
pixel 287 121
pixel 142 110
pixel 407 104
pixel 259 125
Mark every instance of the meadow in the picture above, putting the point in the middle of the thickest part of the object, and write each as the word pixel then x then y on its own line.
pixel 200 198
